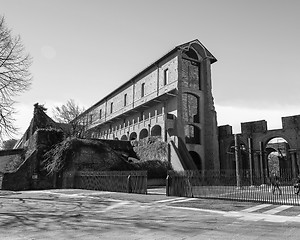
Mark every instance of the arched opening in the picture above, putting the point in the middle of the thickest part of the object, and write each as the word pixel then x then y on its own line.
pixel 124 138
pixel 200 50
pixel 143 133
pixel 133 136
pixel 190 53
pixel 190 70
pixel 278 158
pixel 156 131
pixel 190 104
pixel 197 159
pixel 192 134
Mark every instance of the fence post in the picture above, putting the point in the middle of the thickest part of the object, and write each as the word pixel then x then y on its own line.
pixel 129 184
pixel 167 185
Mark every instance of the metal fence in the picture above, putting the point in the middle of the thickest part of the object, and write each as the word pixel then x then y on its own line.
pixel 114 181
pixel 226 185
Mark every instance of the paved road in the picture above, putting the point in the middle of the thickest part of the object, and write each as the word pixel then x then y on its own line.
pixel 83 214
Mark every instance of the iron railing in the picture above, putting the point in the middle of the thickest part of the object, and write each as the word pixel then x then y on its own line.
pixel 225 185
pixel 114 181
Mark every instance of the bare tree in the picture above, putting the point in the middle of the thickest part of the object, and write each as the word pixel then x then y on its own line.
pixel 14 76
pixel 68 113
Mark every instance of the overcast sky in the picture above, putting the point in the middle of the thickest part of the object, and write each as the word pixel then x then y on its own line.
pixel 84 49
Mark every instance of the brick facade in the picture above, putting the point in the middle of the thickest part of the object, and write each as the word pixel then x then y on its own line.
pixel 172 99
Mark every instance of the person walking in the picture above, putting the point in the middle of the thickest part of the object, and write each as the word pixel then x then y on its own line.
pixel 297 185
pixel 275 183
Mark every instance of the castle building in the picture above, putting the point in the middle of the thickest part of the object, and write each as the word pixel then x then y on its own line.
pixel 171 99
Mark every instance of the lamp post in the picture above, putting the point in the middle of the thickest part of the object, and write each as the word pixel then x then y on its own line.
pixel 250 160
pixel 237 160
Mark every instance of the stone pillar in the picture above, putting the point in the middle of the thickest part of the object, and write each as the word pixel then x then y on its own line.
pixel 163 125
pixel 256 164
pixel 293 160
pixel 209 126
pixel 297 161
pixel 261 161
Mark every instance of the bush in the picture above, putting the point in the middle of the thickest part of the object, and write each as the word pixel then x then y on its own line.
pixel 151 148
pixel 155 168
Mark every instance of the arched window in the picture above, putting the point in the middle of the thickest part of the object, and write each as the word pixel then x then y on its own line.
pixel 190 53
pixel 156 131
pixel 143 133
pixel 190 70
pixel 190 104
pixel 124 138
pixel 133 136
pixel 192 134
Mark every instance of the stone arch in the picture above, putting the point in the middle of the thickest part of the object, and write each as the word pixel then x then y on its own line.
pixel 156 130
pixel 191 107
pixel 124 138
pixel 197 159
pixel 190 53
pixel 143 133
pixel 200 49
pixel 277 157
pixel 192 134
pixel 133 136
pixel 191 69
pixel 265 138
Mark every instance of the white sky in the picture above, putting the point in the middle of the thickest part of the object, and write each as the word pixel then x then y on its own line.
pixel 84 49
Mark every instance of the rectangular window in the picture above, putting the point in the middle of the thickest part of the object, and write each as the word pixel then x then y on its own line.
pixel 111 107
pixel 125 99
pixel 100 113
pixel 143 90
pixel 91 118
pixel 166 76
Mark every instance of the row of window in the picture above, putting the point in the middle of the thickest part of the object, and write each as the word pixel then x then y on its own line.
pixel 155 131
pixel 166 80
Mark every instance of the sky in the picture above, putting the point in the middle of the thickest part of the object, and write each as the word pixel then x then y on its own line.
pixel 84 49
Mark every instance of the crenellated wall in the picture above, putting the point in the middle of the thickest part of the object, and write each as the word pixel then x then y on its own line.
pixel 254 138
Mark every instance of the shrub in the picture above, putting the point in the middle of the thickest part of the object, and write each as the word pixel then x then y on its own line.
pixel 151 148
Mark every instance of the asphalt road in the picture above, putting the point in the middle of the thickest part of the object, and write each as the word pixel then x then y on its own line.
pixel 84 214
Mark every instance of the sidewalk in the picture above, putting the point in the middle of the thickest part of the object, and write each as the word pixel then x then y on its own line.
pixel 87 214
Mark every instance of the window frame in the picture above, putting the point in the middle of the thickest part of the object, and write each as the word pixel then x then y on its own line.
pixel 166 76
pixel 125 99
pixel 111 107
pixel 143 89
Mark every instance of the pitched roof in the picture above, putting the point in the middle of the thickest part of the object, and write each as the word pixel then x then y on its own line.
pixel 177 48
